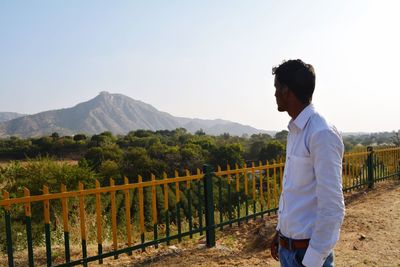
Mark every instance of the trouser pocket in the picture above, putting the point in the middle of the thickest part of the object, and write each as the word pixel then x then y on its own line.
pixel 298 256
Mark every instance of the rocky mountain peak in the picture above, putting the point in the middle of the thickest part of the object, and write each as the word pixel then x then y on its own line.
pixel 116 113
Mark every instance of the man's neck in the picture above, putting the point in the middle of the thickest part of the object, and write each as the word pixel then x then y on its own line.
pixel 296 110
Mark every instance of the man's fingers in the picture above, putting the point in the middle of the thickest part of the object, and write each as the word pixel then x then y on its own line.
pixel 274 250
pixel 274 247
pixel 275 254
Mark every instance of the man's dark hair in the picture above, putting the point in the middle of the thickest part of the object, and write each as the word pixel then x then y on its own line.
pixel 298 76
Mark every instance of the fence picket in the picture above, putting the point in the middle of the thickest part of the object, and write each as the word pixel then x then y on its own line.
pixel 99 224
pixel 154 209
pixel 114 218
pixel 167 230
pixel 46 205
pixel 82 219
pixel 28 222
pixel 7 217
pixel 141 211
pixel 128 214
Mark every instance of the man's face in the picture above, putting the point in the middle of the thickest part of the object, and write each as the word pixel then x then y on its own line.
pixel 280 95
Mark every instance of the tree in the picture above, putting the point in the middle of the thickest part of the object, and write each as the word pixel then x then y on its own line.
pixel 103 139
pixel 44 143
pixel 368 141
pixel 227 154
pixel 143 133
pixel 55 135
pixel 282 136
pixel 225 136
pixel 273 150
pixel 206 142
pixel 396 138
pixel 192 156
pixel 136 161
pixel 172 158
pixel 79 137
pixel 96 155
pixel 255 148
pixel 260 137
pixel 200 132
pixel 348 146
pixel 109 169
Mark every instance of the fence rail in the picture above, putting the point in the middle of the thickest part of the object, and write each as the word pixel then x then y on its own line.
pixel 146 213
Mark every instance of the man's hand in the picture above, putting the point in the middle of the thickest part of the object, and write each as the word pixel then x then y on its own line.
pixel 275 247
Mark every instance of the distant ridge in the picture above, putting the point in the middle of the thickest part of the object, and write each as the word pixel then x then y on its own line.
pixel 6 116
pixel 116 113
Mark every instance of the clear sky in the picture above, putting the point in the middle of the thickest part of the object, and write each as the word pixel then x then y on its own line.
pixel 204 59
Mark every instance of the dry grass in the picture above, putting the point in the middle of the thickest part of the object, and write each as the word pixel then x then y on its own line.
pixel 24 162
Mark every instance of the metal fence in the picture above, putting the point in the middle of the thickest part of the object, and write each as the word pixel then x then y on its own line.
pixel 146 213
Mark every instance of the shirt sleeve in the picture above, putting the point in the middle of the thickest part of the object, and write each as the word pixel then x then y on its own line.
pixel 326 152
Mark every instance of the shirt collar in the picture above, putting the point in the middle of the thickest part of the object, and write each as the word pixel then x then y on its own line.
pixel 301 120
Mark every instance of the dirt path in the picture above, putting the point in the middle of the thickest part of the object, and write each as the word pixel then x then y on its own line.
pixel 371 231
pixel 370 237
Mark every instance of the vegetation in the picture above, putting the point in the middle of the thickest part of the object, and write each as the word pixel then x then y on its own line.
pixel 104 155
pixel 355 141
pixel 140 152
pixel 143 152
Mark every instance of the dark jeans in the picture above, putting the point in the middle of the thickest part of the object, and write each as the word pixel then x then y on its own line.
pixel 293 258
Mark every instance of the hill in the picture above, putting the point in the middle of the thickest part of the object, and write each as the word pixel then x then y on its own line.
pixel 116 113
pixel 6 116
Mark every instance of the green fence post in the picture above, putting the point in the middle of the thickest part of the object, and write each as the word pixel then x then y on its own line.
pixel 209 206
pixel 189 191
pixel 199 210
pixel 9 238
pixel 398 169
pixel 370 166
pixel 398 163
pixel 221 219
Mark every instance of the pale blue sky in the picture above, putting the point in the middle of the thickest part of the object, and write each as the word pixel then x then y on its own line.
pixel 204 59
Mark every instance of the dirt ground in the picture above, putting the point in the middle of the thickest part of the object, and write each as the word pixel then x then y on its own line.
pixel 370 237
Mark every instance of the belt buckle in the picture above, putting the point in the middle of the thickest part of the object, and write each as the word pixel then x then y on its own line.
pixel 290 244
pixel 288 241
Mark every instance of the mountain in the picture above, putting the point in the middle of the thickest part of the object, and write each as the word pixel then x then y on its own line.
pixel 116 113
pixel 6 116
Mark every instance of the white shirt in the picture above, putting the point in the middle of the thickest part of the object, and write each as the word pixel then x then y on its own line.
pixel 311 204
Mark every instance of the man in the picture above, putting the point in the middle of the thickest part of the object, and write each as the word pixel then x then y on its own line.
pixel 311 206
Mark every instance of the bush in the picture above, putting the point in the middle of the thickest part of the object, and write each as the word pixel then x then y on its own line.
pixel 34 174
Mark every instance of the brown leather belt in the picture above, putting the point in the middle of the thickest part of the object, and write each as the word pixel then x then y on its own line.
pixel 293 244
